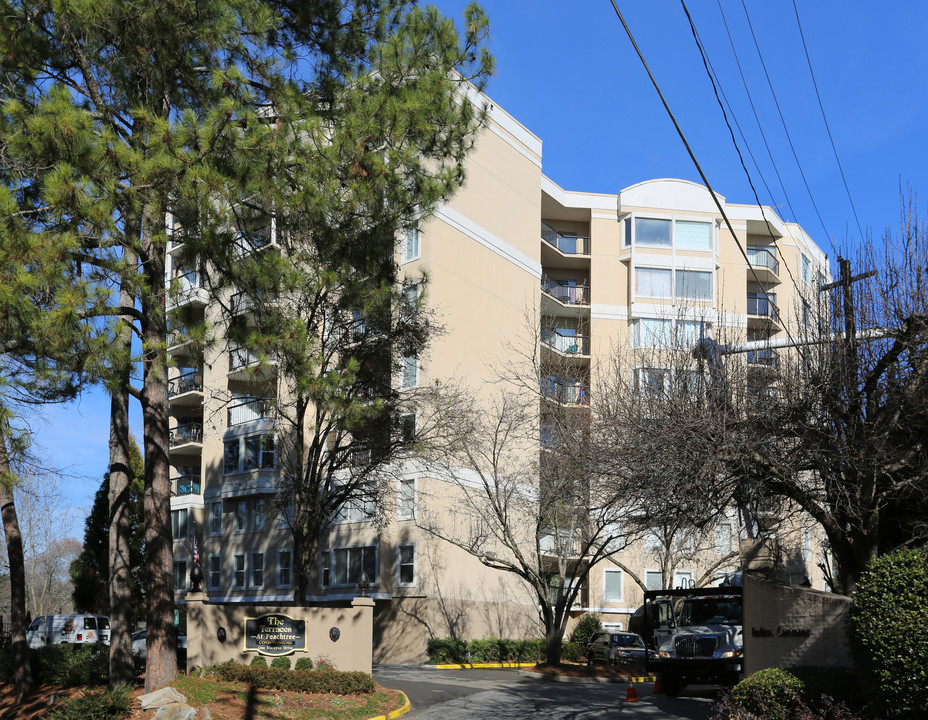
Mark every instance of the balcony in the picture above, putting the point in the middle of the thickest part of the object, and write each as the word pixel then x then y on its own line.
pixel 762 309
pixel 565 392
pixel 247 410
pixel 186 388
pixel 564 343
pixel 763 264
pixel 245 364
pixel 256 231
pixel 186 484
pixel 186 436
pixel 188 287
pixel 766 357
pixel 566 294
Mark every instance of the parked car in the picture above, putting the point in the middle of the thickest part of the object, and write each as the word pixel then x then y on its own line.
pixel 72 628
pixel 139 642
pixel 618 648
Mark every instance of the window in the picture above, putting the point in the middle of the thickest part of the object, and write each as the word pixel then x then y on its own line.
pixel 180 576
pixel 612 585
pixel 654 580
pixel 239 579
pixel 409 371
pixel 652 542
pixel 806 269
pixel 407 427
pixel 690 332
pixel 411 244
pixel 652 282
pixel 241 516
pixel 614 538
pixel 411 296
pixel 215 571
pixel 347 564
pixel 284 568
pixel 806 545
pixel 259 519
pixel 215 518
pixel 683 579
pixel 652 232
pixel 253 452
pixel 406 565
pixel 324 573
pixel 361 507
pixel 723 539
pixel 406 500
pixel 651 333
pixel 651 382
pixel 689 235
pixel 257 570
pixel 693 285
pixel 179 525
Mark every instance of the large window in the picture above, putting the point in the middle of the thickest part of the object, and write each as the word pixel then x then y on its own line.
pixel 284 568
pixel 257 570
pixel 347 564
pixel 259 517
pixel 689 235
pixel 663 233
pixel 653 580
pixel 652 282
pixel 252 452
pixel 406 565
pixel 406 500
pixel 238 580
pixel 652 232
pixel 409 372
pixel 361 507
pixel 215 571
pixel 652 333
pixel 693 285
pixel 215 518
pixel 723 544
pixel 241 516
pixel 612 585
pixel 179 525
pixel 411 244
pixel 651 382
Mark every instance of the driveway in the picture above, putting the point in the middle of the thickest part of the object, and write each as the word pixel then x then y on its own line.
pixel 505 695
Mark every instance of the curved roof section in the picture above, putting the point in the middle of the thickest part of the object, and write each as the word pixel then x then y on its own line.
pixel 669 193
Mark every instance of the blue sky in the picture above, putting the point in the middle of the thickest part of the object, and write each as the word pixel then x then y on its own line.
pixel 568 72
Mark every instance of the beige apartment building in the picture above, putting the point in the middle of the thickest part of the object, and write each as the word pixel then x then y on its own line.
pixel 593 272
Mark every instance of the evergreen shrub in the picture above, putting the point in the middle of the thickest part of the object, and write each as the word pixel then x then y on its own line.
pixel 585 628
pixel 771 694
pixel 336 682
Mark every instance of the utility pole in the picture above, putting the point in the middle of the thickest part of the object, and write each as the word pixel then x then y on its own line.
pixel 845 282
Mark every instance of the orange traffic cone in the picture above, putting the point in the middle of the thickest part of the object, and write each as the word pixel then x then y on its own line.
pixel 630 694
pixel 658 686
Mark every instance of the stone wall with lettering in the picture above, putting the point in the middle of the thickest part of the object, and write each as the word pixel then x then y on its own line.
pixel 786 625
pixel 216 632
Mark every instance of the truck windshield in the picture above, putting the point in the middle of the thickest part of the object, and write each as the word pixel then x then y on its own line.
pixel 711 611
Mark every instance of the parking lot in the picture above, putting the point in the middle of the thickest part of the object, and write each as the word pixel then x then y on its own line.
pixel 506 695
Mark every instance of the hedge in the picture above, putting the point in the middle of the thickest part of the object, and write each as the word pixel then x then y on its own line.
pixel 334 682
pixel 451 651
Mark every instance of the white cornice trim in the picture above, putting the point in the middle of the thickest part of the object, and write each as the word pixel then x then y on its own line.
pixel 482 236
pixel 587 201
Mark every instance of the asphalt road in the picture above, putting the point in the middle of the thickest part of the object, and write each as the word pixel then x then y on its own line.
pixel 505 695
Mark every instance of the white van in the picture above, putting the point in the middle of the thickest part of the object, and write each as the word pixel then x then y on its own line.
pixel 55 629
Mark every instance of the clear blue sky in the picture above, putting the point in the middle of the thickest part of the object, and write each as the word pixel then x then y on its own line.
pixel 568 72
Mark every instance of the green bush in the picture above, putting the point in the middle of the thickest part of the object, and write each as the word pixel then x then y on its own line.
pixel 837 683
pixel 771 694
pixel 442 651
pixel 94 706
pixel 304 663
pixel 281 662
pixel 888 633
pixel 585 628
pixel 572 652
pixel 71 665
pixel 334 682
pixel 258 661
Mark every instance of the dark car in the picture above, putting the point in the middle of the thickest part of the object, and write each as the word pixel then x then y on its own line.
pixel 618 648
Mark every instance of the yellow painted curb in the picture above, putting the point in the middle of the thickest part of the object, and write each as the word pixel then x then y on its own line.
pixel 395 713
pixel 649 678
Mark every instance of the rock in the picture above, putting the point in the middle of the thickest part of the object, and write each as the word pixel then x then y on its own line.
pixel 175 711
pixel 161 697
pixel 203 714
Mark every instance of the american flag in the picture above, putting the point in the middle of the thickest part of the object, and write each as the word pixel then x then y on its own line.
pixel 196 552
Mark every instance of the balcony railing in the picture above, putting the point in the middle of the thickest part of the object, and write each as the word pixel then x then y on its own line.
pixel 186 484
pixel 566 344
pixel 240 358
pixel 567 244
pixel 254 234
pixel 761 306
pixel 189 381
pixel 764 258
pixel 564 292
pixel 565 392
pixel 186 433
pixel 766 357
pixel 248 410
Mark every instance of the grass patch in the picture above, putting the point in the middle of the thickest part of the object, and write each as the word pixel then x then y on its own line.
pixel 203 691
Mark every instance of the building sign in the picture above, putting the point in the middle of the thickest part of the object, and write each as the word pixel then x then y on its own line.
pixel 780 632
pixel 274 634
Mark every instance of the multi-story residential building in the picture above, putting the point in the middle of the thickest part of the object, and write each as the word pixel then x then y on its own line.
pixel 592 272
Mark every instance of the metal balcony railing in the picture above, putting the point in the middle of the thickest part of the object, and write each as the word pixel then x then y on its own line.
pixel 186 484
pixel 240 358
pixel 761 306
pixel 247 410
pixel 186 433
pixel 567 244
pixel 766 357
pixel 564 343
pixel 764 258
pixel 189 381
pixel 565 292
pixel 565 392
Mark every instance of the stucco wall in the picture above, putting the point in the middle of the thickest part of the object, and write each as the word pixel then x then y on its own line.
pixel 351 651
pixel 786 626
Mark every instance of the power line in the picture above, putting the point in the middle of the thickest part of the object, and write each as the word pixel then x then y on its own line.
pixel 825 119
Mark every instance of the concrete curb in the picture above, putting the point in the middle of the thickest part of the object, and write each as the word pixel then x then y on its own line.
pixel 395 713
pixel 477 666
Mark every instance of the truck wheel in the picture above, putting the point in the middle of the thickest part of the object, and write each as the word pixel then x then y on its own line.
pixel 672 684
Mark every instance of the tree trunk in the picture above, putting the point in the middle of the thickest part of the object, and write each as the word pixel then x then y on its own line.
pixel 161 640
pixel 122 670
pixel 22 670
